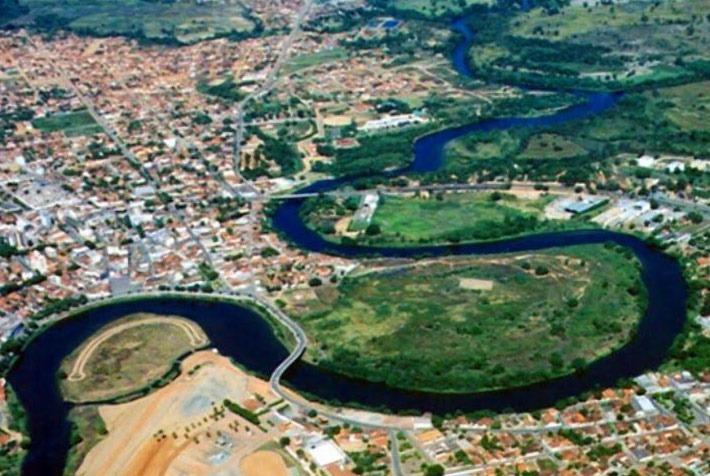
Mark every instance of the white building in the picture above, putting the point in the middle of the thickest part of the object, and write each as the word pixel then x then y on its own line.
pixel 324 452
pixel 392 122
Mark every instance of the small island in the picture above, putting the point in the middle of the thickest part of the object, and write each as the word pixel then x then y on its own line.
pixel 130 354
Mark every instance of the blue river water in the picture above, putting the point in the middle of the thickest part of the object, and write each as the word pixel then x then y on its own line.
pixel 242 335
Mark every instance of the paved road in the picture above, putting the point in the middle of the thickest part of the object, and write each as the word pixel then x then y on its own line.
pixel 394 450
pixel 664 199
pixel 265 88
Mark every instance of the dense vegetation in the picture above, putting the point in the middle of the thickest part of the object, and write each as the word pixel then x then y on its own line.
pixel 603 46
pixel 87 430
pixel 226 89
pixel 12 454
pixel 375 153
pixel 280 152
pixel 171 22
pixel 666 120
pixel 237 409
pixel 477 324
pixel 9 10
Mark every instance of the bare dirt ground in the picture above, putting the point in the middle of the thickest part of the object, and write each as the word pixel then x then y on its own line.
pixel 183 428
pixel 262 463
pixel 474 284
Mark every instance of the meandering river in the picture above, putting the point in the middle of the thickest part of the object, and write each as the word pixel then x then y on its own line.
pixel 245 337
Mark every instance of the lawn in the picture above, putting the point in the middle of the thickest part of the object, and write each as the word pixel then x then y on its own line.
pixel 455 217
pixel 70 123
pixel 126 356
pixel 476 324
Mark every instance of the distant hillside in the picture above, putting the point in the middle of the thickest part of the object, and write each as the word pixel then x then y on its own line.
pixel 174 22
pixel 10 9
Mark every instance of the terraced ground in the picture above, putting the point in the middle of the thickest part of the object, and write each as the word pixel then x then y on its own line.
pixel 472 324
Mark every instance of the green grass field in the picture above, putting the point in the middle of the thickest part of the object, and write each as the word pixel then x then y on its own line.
pixel 70 123
pixel 476 323
pixel 551 146
pixel 444 218
pixel 126 356
pixel 315 59
pixel 435 8
pixel 455 217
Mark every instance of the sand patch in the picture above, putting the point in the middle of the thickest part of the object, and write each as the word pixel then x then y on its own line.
pixel 473 284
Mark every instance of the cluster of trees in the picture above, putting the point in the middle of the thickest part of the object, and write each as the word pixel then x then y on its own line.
pixel 282 152
pixel 376 153
pixel 237 409
pixel 9 10
pixel 558 64
pixel 10 287
pixel 513 224
pixel 63 16
pixel 7 250
pixel 227 90
pixel 8 120
pixel 367 462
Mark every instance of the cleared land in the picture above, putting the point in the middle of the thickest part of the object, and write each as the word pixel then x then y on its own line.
pixel 443 218
pixel 127 355
pixel 183 428
pixel 263 462
pixel 474 324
